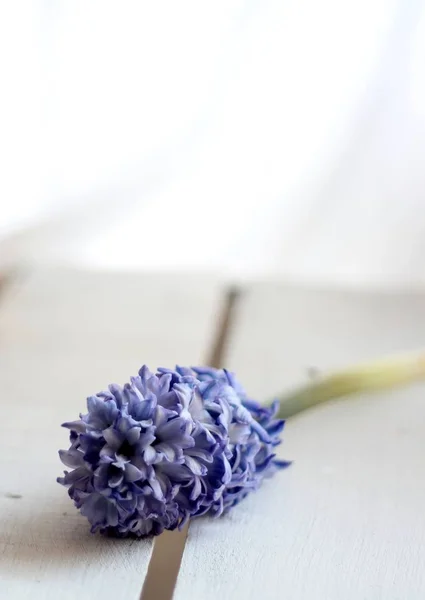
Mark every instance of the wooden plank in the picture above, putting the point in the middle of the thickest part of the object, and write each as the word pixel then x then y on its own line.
pixel 347 519
pixel 63 336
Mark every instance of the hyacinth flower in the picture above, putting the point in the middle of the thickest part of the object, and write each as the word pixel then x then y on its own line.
pixel 168 447
pixel 174 445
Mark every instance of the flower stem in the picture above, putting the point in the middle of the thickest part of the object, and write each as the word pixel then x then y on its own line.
pixel 370 377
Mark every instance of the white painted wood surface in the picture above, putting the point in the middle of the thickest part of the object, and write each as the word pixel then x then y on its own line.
pixel 63 336
pixel 347 520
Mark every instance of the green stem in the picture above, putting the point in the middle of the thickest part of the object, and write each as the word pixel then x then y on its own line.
pixel 370 377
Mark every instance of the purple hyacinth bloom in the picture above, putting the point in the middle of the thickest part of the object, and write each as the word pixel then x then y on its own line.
pixel 167 447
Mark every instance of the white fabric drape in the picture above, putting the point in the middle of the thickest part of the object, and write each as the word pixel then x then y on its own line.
pixel 257 137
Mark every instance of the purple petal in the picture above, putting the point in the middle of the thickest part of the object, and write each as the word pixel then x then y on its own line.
pixel 113 438
pixel 239 433
pixel 149 455
pixel 199 453
pixel 132 473
pixel 133 435
pixel 116 479
pixel 156 488
pixel 164 382
pixel 262 433
pixel 79 426
pixel 78 475
pixel 197 488
pixel 282 464
pixel 195 466
pixel 167 450
pixel 172 430
pixel 145 440
pixel 71 458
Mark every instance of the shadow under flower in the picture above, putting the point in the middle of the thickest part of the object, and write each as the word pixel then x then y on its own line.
pixel 42 544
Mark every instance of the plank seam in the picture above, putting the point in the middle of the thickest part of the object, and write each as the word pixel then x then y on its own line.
pixel 168 548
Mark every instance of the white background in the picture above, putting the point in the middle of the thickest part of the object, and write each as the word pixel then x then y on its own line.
pixel 261 137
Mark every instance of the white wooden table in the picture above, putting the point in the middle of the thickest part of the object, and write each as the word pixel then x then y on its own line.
pixel 347 520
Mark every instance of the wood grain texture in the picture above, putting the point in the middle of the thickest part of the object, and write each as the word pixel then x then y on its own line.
pixel 63 336
pixel 347 519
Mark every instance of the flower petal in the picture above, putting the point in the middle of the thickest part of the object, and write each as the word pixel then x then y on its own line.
pixel 195 466
pixel 113 438
pixel 133 435
pixel 79 426
pixel 72 458
pixel 132 473
pixel 149 455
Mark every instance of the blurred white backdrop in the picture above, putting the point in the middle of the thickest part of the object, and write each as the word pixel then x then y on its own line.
pixel 257 137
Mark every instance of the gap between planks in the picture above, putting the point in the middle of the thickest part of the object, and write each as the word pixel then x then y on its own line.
pixel 168 548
